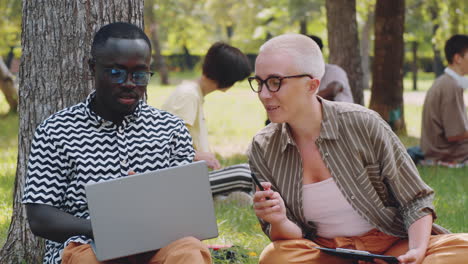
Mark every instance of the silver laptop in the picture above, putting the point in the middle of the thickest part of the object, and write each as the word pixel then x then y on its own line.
pixel 148 211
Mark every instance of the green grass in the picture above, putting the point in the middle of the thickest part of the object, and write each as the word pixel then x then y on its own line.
pixel 8 154
pixel 233 118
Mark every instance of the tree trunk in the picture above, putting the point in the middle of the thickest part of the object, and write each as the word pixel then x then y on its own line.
pixel 303 26
pixel 56 40
pixel 159 60
pixel 414 66
pixel 365 47
pixel 343 43
pixel 187 57
pixel 437 65
pixel 8 87
pixel 387 70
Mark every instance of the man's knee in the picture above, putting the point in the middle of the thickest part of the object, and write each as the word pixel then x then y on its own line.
pixel 183 250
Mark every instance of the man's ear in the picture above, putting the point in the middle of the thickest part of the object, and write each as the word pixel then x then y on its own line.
pixel 91 65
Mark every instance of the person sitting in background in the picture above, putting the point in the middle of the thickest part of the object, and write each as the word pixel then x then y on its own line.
pixel 335 174
pixel 444 131
pixel 101 139
pixel 223 66
pixel 334 85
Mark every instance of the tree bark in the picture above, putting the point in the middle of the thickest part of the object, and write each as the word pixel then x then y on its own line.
pixel 159 60
pixel 343 43
pixel 414 66
pixel 437 64
pixel 56 40
pixel 387 70
pixel 365 47
pixel 8 87
pixel 303 26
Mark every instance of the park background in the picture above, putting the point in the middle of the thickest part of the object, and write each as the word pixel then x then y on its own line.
pixel 184 29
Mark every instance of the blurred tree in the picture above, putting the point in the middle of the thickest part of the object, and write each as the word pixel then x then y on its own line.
pixel 387 78
pixel 343 43
pixel 303 11
pixel 152 24
pixel 10 25
pixel 8 87
pixel 56 40
pixel 437 65
pixel 365 11
pixel 185 28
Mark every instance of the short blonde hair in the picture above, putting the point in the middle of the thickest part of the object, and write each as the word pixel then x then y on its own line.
pixel 305 52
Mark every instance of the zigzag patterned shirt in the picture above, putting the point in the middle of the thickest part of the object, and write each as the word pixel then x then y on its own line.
pixel 75 146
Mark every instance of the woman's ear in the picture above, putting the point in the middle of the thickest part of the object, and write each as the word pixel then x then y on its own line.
pixel 314 85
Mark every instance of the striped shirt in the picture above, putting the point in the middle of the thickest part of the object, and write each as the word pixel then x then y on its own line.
pixel 75 146
pixel 365 158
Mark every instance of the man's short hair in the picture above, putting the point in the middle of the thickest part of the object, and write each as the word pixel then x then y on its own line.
pixel 457 44
pixel 305 53
pixel 317 40
pixel 121 30
pixel 225 65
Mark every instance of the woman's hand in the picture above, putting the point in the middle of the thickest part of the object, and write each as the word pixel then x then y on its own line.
pixel 269 206
pixel 413 256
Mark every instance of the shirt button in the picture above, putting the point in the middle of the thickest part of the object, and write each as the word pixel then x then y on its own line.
pixel 352 197
pixel 123 162
pixel 326 154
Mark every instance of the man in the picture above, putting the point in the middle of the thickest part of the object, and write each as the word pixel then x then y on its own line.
pixel 444 135
pixel 223 66
pixel 334 174
pixel 334 85
pixel 112 134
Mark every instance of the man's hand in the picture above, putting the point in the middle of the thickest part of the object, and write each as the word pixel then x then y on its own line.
pixel 331 91
pixel 210 159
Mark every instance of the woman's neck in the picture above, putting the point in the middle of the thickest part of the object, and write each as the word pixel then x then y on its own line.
pixel 307 126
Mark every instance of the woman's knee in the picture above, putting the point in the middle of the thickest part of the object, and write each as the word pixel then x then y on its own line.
pixel 289 251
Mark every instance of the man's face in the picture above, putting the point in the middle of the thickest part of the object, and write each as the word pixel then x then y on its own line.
pixel 115 100
pixel 287 103
pixel 463 62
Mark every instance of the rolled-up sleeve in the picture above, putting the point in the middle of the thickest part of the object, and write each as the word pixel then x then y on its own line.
pixel 413 196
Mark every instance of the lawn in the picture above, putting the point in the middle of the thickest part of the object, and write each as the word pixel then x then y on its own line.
pixel 233 118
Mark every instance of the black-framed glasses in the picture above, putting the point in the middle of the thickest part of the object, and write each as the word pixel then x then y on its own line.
pixel 120 76
pixel 273 83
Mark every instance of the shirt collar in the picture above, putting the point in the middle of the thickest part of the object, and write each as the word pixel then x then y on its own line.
pixel 461 80
pixel 200 92
pixel 98 119
pixel 329 127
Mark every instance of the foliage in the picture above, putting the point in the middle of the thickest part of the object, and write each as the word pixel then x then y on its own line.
pixel 10 25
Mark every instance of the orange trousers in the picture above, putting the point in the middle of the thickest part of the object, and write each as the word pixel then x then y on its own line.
pixel 185 250
pixel 442 249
